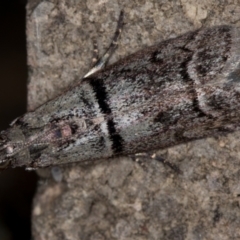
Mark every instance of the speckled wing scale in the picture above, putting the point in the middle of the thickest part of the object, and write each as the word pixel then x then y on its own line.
pixel 173 92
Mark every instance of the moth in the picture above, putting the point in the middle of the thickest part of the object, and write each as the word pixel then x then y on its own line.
pixel 178 90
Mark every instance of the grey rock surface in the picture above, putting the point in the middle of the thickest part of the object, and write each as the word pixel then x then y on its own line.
pixel 119 198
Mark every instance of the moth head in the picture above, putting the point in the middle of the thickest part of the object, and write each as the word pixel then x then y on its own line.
pixel 4 150
pixel 4 161
pixel 5 164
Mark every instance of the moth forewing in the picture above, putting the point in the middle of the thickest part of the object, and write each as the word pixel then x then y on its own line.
pixel 176 91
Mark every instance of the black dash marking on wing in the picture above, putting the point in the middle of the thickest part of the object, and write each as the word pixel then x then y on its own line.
pixel 102 97
pixel 101 94
pixel 117 140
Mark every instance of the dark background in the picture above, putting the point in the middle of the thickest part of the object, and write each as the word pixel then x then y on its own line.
pixel 17 186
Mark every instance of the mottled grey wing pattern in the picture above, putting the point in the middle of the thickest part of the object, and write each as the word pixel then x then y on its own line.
pixel 176 91
pixel 171 93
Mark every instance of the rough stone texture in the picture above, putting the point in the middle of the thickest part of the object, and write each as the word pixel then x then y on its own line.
pixel 118 198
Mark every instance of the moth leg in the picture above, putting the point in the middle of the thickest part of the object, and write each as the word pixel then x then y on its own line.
pixel 141 159
pixel 101 63
pixel 174 167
